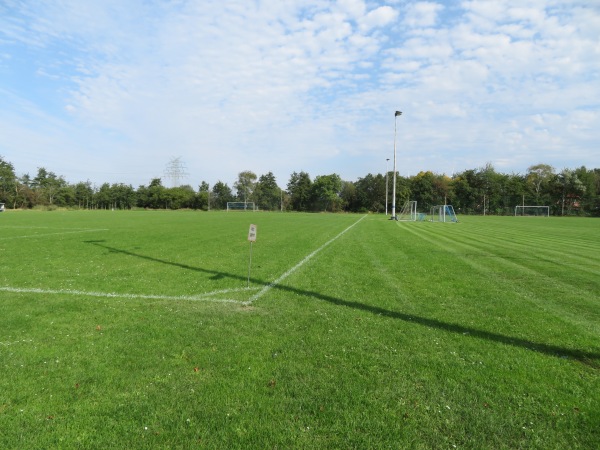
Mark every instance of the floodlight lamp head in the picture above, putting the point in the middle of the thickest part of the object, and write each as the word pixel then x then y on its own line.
pixel 398 113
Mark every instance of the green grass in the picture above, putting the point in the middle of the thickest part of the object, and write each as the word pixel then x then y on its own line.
pixel 136 329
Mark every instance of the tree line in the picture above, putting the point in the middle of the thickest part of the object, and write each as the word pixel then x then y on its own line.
pixel 473 191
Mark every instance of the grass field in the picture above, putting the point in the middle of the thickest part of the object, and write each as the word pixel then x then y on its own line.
pixel 138 330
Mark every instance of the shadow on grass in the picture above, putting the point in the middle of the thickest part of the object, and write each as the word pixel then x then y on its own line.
pixel 589 358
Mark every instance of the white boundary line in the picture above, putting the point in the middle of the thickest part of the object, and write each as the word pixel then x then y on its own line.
pixel 206 297
pixel 53 234
pixel 269 286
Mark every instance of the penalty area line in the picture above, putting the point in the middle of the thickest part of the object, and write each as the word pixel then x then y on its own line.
pixel 204 297
pixel 271 285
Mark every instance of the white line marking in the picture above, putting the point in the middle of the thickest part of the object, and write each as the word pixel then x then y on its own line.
pixel 207 296
pixel 52 234
pixel 265 289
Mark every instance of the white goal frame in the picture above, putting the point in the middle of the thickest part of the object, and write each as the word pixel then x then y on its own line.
pixel 409 211
pixel 443 213
pixel 538 207
pixel 241 206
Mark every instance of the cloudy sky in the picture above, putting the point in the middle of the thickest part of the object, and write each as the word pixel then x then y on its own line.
pixel 113 90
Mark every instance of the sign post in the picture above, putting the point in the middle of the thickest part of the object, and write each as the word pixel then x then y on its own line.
pixel 252 239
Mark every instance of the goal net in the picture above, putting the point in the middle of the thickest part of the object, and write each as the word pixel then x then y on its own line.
pixel 409 211
pixel 443 213
pixel 241 206
pixel 543 211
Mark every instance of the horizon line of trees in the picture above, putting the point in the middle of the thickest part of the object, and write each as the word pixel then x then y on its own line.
pixel 473 191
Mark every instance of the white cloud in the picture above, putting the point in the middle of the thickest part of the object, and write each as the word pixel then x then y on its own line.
pixel 295 85
pixel 422 14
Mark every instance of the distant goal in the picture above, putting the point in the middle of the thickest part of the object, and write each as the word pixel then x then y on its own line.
pixel 241 206
pixel 409 211
pixel 536 211
pixel 443 213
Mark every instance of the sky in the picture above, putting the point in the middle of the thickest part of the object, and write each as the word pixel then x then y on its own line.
pixel 116 90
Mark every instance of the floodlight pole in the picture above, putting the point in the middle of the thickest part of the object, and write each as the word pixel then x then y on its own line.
pixel 386 184
pixel 394 217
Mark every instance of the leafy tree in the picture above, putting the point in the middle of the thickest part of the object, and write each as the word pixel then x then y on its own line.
pixel 514 191
pixel 24 194
pixel 569 189
pixel 299 188
pixel 349 196
pixel 370 193
pixel 181 197
pixel 267 194
pixel 203 197
pixel 47 184
pixel 326 192
pixel 426 190
pixel 122 196
pixel 8 183
pixel 537 177
pixel 590 193
pixel 221 194
pixel 84 194
pixel 154 196
pixel 157 198
pixel 103 197
pixel 245 185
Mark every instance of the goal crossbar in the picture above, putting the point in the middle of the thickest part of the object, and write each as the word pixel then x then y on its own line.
pixel 409 211
pixel 532 210
pixel 241 206
pixel 443 213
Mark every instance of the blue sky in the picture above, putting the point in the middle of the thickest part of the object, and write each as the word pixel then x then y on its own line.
pixel 112 90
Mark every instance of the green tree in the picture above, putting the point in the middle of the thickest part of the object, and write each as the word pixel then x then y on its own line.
pixel 299 188
pixel 370 193
pixel 538 176
pixel 84 194
pixel 245 185
pixel 221 194
pixel 203 196
pixel 426 190
pixel 326 192
pixel 569 189
pixel 122 196
pixel 47 185
pixel 267 194
pixel 589 196
pixel 181 197
pixel 8 183
pixel 157 198
pixel 349 196
pixel 24 194
pixel 103 197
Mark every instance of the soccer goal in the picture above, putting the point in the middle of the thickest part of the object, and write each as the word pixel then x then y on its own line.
pixel 241 206
pixel 443 213
pixel 542 211
pixel 409 211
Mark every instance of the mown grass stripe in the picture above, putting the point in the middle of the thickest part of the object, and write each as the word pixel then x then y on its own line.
pixel 307 258
pixel 496 269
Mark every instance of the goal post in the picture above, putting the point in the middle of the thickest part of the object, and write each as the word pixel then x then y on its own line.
pixel 443 213
pixel 409 211
pixel 535 210
pixel 241 206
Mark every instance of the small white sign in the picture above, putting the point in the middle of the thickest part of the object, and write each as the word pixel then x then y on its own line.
pixel 252 233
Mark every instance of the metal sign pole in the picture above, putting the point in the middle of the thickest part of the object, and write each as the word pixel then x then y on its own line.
pixel 249 264
pixel 252 239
